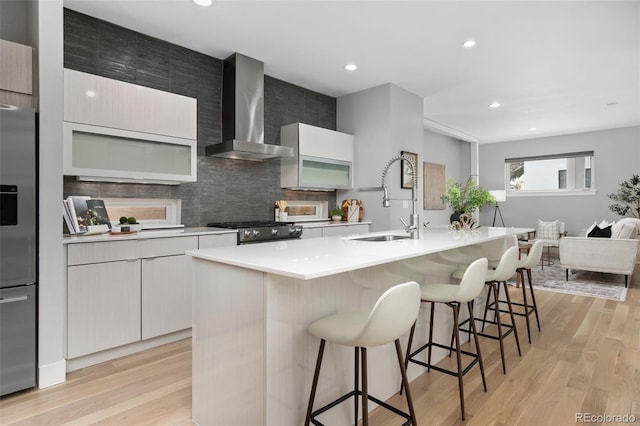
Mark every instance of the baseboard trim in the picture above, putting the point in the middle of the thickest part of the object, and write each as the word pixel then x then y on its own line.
pixel 52 374
pixel 109 354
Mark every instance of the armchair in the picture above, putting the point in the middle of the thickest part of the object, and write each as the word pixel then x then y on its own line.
pixel 549 233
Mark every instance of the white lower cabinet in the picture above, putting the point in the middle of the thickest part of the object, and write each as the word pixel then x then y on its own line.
pixel 103 306
pixel 166 295
pixel 330 231
pixel 335 230
pixel 311 233
pixel 217 240
pixel 121 292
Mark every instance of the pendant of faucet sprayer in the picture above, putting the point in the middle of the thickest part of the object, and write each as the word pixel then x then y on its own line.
pixel 412 228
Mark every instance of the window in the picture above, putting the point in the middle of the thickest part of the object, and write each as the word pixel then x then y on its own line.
pixel 551 174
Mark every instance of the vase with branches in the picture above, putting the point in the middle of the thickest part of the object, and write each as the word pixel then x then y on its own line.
pixel 627 198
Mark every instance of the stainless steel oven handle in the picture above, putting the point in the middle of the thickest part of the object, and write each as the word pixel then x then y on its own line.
pixel 14 299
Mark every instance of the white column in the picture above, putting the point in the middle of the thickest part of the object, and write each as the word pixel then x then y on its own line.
pixel 51 285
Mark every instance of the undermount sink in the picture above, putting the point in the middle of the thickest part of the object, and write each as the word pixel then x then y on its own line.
pixel 383 238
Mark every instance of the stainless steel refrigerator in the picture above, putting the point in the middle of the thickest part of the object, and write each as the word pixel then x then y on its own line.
pixel 18 250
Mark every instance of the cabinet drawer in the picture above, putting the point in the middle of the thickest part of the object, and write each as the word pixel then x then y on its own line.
pixel 83 253
pixel 167 246
pixel 208 241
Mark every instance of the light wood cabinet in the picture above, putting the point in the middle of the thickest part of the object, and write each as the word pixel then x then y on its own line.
pixel 16 74
pixel 16 67
pixel 103 302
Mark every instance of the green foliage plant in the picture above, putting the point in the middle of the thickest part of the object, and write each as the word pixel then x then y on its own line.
pixel 467 197
pixel 336 211
pixel 627 197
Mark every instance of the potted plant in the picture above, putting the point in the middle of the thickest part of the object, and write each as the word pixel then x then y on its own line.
pixel 629 194
pixel 336 214
pixel 465 198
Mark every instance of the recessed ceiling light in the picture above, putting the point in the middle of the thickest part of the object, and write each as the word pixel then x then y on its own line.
pixel 469 43
pixel 532 129
pixel 494 104
pixel 90 93
pixel 351 67
pixel 203 3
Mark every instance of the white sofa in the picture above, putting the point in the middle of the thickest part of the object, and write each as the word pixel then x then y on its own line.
pixel 617 255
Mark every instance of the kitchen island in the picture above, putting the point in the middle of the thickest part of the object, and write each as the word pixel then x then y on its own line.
pixel 253 360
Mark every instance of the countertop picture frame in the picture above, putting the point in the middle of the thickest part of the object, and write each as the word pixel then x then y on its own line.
pixel 406 178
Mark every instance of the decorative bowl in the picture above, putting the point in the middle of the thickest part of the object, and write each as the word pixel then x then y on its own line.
pixel 126 227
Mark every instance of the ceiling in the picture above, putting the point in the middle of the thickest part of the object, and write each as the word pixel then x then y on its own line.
pixel 559 67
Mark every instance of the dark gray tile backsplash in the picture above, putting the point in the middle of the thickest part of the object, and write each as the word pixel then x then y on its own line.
pixel 226 189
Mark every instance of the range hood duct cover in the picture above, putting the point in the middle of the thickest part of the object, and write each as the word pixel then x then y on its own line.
pixel 243 113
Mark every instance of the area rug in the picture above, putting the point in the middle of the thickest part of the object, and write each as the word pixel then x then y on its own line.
pixel 581 283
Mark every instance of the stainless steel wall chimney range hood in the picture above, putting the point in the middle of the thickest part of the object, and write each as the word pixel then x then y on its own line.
pixel 243 113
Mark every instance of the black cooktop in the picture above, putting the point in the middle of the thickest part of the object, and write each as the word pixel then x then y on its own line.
pixel 250 224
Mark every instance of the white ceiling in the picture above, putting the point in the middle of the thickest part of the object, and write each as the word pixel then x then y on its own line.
pixel 559 66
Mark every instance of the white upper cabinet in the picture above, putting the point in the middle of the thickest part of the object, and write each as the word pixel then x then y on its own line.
pixel 117 131
pixel 323 158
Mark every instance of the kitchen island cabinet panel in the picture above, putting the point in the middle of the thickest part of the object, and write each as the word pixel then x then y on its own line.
pixel 166 295
pixel 103 302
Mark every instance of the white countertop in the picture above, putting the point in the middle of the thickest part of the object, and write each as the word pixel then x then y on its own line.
pixel 318 257
pixel 144 234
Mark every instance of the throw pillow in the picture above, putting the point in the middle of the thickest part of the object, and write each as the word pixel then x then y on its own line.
pixel 589 229
pixel 604 224
pixel 598 232
pixel 635 222
pixel 615 229
pixel 547 230
pixel 624 231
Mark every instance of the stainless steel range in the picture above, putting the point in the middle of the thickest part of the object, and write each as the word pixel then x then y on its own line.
pixel 254 232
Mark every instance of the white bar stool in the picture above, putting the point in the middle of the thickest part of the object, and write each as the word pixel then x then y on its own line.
pixel 453 295
pixel 391 317
pixel 532 259
pixel 505 269
pixel 522 266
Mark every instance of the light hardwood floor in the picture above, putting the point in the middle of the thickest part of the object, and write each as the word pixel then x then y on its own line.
pixel 585 360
